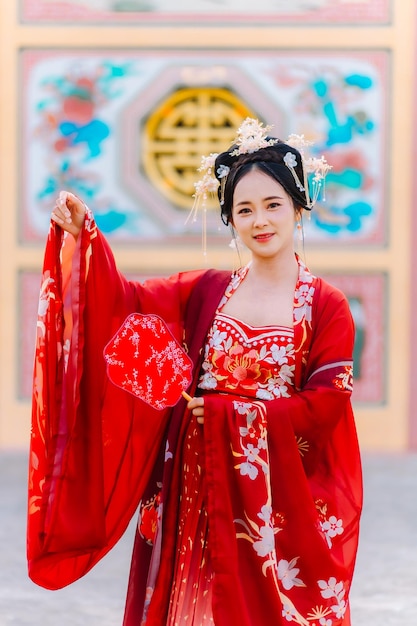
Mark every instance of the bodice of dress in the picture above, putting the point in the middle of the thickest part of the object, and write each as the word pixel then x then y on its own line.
pixel 246 360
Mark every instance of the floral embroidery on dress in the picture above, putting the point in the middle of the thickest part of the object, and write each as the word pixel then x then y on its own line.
pixel 149 516
pixel 334 589
pixel 330 525
pixel 344 380
pixel 261 534
pixel 255 431
pixel 254 463
pixel 248 361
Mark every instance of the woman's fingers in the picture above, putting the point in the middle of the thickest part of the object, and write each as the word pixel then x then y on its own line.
pixel 61 212
pixel 196 405
pixel 69 212
pixel 62 204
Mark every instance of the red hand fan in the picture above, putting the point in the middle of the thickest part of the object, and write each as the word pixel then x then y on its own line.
pixel 145 359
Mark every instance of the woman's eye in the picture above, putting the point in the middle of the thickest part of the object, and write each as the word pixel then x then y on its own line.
pixel 273 205
pixel 244 210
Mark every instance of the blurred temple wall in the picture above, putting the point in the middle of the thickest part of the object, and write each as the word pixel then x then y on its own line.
pixel 117 102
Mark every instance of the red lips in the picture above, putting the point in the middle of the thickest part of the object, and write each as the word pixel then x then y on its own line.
pixel 264 237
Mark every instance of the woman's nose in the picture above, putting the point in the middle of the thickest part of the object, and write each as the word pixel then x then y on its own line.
pixel 260 218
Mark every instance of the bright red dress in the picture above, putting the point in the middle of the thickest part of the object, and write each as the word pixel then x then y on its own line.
pixel 243 360
pixel 282 486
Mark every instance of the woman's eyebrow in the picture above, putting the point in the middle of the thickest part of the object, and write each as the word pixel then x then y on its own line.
pixel 263 199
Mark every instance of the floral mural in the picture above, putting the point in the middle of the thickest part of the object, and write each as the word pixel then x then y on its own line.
pixel 72 122
pixel 83 111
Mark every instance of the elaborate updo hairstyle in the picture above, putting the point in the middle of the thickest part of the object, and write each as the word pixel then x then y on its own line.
pixel 270 161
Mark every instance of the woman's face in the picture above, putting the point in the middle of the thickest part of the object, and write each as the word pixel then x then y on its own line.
pixel 263 215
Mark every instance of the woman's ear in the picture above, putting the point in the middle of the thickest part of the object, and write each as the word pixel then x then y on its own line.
pixel 230 219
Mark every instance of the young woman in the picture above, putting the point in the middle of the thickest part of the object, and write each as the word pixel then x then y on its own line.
pixel 250 495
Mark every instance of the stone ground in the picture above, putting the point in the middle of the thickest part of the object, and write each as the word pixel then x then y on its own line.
pixel 385 585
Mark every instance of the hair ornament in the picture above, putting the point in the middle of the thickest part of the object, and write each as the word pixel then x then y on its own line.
pixel 222 173
pixel 290 161
pixel 252 136
pixel 312 165
pixel 208 183
pixel 319 167
pixel 299 142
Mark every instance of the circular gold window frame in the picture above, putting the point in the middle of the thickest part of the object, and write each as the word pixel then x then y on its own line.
pixel 189 123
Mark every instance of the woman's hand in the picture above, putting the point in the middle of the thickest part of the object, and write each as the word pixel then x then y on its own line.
pixel 69 213
pixel 196 405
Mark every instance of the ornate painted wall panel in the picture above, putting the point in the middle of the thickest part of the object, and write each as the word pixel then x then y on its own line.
pixel 89 126
pixel 367 295
pixel 190 11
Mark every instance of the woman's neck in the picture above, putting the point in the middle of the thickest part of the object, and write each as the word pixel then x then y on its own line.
pixel 273 271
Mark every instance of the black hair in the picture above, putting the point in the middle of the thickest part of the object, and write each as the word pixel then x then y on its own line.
pixel 270 161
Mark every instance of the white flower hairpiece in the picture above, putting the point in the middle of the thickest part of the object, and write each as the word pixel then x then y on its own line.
pixel 311 165
pixel 252 136
pixel 299 142
pixel 222 171
pixel 207 184
pixel 290 161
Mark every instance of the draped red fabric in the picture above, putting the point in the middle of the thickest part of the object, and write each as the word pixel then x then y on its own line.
pixel 321 484
pixel 93 446
pixel 314 487
pixel 283 521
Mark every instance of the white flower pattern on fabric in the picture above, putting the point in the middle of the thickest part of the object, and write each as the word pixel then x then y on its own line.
pixel 304 299
pixel 266 543
pixel 262 536
pixel 218 338
pixel 248 468
pixel 287 574
pixel 332 527
pixel 289 612
pixel 334 589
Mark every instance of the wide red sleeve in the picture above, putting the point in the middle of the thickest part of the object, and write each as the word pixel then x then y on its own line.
pixel 93 445
pixel 324 397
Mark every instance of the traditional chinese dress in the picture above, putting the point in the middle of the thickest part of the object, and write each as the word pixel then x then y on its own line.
pixel 242 360
pixel 255 514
